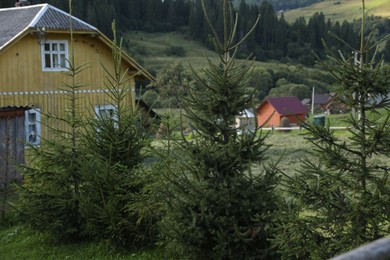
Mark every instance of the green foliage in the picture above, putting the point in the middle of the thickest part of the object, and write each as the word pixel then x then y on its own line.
pixel 290 89
pixel 261 80
pixel 151 97
pixel 172 82
pixel 216 207
pixel 342 198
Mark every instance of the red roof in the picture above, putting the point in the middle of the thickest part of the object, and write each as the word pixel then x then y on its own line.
pixel 287 105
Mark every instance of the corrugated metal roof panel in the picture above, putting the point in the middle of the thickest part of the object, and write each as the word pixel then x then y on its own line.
pixel 56 19
pixel 14 20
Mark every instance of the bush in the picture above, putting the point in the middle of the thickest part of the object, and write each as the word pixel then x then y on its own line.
pixel 285 122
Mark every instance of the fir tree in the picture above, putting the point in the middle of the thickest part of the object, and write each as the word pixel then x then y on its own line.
pixel 113 166
pixel 50 196
pixel 342 198
pixel 217 206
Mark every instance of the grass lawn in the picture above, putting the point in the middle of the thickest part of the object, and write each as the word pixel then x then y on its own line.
pixel 18 242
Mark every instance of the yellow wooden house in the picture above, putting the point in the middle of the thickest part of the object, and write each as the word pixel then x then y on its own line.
pixel 35 49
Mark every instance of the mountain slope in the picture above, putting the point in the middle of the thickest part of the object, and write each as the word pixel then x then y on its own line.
pixel 340 10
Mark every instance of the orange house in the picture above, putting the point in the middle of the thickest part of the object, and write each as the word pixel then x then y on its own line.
pixel 273 109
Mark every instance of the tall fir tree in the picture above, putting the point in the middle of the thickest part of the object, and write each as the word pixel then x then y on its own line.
pixel 218 207
pixel 49 199
pixel 342 198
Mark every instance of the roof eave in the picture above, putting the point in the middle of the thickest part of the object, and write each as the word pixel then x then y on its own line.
pixel 35 30
pixel 15 39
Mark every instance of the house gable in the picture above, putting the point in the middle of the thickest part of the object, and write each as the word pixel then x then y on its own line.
pixel 43 20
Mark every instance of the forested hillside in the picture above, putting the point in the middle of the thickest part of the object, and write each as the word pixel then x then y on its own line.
pixel 273 38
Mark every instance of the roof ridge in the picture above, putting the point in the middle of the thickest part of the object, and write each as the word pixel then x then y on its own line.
pixel 21 7
pixel 39 15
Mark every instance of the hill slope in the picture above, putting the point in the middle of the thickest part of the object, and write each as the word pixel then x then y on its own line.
pixel 152 51
pixel 340 10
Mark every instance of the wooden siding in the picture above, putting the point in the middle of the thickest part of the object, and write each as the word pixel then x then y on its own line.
pixel 267 116
pixel 21 66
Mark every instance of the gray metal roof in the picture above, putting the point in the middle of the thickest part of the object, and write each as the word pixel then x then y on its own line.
pixel 53 18
pixel 15 20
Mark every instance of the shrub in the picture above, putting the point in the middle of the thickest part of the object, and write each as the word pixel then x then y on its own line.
pixel 285 122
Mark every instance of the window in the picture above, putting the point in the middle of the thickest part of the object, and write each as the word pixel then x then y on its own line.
pixel 107 115
pixel 54 55
pixel 106 111
pixel 32 123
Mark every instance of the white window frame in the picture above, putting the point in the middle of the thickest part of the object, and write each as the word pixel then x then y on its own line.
pixel 32 127
pixel 99 109
pixel 61 55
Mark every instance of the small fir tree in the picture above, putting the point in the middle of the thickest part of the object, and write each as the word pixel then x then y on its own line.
pixel 342 199
pixel 113 169
pixel 217 206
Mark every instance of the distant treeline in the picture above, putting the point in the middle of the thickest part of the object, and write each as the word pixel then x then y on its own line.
pixel 273 37
pixel 280 5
